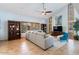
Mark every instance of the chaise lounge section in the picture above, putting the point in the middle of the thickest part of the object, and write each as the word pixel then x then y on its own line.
pixel 41 39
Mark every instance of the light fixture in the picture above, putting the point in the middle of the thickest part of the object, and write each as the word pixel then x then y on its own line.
pixel 45 11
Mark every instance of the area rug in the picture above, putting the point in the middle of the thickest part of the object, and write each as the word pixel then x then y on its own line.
pixel 58 44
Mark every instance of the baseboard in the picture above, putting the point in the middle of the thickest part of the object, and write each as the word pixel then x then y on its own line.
pixel 3 40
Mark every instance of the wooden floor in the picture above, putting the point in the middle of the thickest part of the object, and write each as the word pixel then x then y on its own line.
pixel 25 47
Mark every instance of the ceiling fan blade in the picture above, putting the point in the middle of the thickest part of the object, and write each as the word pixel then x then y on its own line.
pixel 48 11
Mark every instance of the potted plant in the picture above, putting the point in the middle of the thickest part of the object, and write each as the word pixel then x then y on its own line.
pixel 76 28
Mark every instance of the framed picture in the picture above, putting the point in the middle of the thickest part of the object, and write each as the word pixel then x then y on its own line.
pixel 59 20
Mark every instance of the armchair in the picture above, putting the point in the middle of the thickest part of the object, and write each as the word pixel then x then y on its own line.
pixel 65 36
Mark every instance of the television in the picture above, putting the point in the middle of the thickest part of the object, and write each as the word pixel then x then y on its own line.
pixel 57 28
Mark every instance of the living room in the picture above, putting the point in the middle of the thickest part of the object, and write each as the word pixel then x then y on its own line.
pixel 38 28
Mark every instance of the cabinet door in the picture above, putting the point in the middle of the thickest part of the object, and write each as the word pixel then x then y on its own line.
pixel 17 30
pixel 44 27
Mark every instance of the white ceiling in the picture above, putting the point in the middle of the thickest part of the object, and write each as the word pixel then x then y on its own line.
pixel 76 6
pixel 30 9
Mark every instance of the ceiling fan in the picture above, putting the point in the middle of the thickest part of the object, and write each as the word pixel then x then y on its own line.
pixel 45 11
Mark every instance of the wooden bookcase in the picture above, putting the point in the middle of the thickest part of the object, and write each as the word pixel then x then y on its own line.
pixel 13 30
